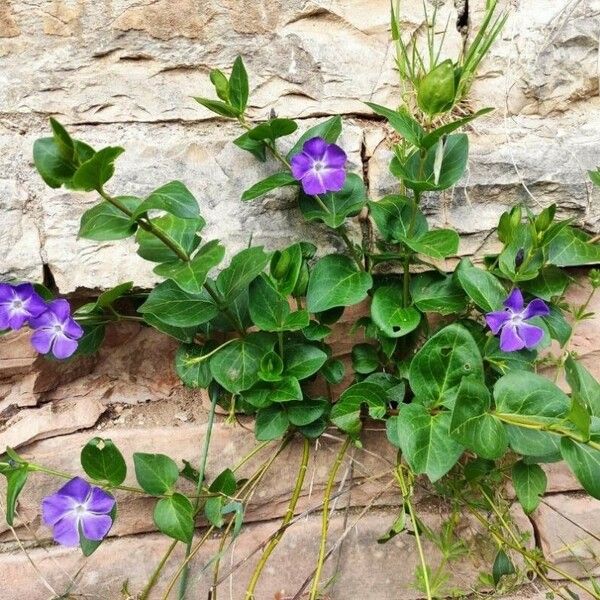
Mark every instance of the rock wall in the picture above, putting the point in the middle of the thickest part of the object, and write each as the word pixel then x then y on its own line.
pixel 122 72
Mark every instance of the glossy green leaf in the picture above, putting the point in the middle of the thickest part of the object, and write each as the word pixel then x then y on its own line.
pixel 397 218
pixel 439 243
pixel 15 482
pixel 182 334
pixel 106 222
pixel 191 369
pixel 303 360
pixel 346 203
pixel 336 281
pixel 238 86
pixel 173 198
pixel 502 566
pixel 438 367
pixel 549 284
pixel 401 121
pixel 584 461
pixel 345 414
pixel 96 171
pixel 572 248
pixel 482 287
pixel 171 305
pixel 425 441
pixel 285 268
pixel 174 516
pixel 472 424
pixel 277 180
pixel 329 130
pixel 256 148
pixel 530 483
pixel 433 292
pixel 303 413
pixel 389 313
pixel 156 473
pixel 244 267
pixel 218 107
pixel 583 384
pixel 102 461
pixel 333 371
pixel 365 359
pixel 273 129
pixel 271 423
pixel 432 138
pixel 503 362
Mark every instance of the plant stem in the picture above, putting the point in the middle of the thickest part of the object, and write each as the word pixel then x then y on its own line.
pixel 406 494
pixel 152 582
pixel 325 518
pixel 201 474
pixel 286 519
pixel 148 226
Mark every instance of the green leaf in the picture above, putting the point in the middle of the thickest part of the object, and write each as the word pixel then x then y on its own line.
pixel 425 441
pixel 303 360
pixel 433 292
pixel 54 160
pixel 389 313
pixel 218 107
pixel 580 417
pixel 365 359
pixel 156 473
pixel 481 286
pixel 397 527
pixel 257 149
pixel 571 248
pixel 443 166
pixel 346 203
pixel 102 461
pixel 174 516
pixel 106 222
pixel 438 367
pixel 224 483
pixel 221 83
pixel 92 339
pixel 336 281
pixel 583 385
pixel 286 266
pixel 109 297
pixel 303 413
pixel 432 138
pixel 236 366
pixel 190 276
pixel 183 334
pixel 345 414
pixel 15 482
pixel 96 171
pixel 402 122
pixel 171 305
pixel 193 372
pixel 502 566
pixel 503 362
pixel 328 130
pixel 283 389
pixel 182 232
pixel 271 367
pixel 271 423
pixel 273 129
pixel 439 243
pixel 472 424
pixel 584 461
pixel 244 267
pixel 530 483
pixel 174 198
pixel 333 371
pixel 277 180
pixel 270 311
pixel 523 394
pixel 558 326
pixel 238 86
pixel 550 283
pixel 393 216
pixel 532 443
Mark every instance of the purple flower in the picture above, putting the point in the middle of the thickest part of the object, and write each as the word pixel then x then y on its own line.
pixel 55 330
pixel 18 304
pixel 511 323
pixel 78 508
pixel 319 167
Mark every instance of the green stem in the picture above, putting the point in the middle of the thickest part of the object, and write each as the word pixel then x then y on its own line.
pixel 325 518
pixel 286 519
pixel 201 473
pixel 152 582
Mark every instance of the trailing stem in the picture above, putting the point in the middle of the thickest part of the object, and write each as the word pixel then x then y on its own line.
pixel 325 518
pixel 291 509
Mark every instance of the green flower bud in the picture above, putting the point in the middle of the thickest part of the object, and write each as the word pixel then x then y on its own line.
pixel 594 276
pixel 219 80
pixel 437 90
pixel 280 263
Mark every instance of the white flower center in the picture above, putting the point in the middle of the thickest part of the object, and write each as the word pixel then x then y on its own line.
pixel 319 166
pixel 17 304
pixel 58 328
pixel 80 509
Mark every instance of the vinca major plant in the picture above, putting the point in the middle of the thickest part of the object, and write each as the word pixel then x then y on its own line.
pixel 451 360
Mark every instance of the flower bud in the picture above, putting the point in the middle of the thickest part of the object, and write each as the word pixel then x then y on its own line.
pixel 437 90
pixel 594 276
pixel 519 258
pixel 280 263
pixel 302 282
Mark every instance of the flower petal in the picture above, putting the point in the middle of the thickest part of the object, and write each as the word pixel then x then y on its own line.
pixel 333 179
pixel 95 527
pixel 61 308
pixel 312 184
pixel 515 300
pixel 77 488
pixel 35 305
pixel 66 530
pixel 42 340
pixel 17 318
pixel 300 164
pixel 63 346
pixel 4 316
pixel 496 320
pixel 530 334
pixel 6 293
pixel 100 502
pixel 510 340
pixel 315 148
pixel 72 329
pixel 335 156
pixel 536 308
pixel 55 507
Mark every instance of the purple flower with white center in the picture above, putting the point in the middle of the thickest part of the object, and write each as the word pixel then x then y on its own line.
pixel 515 332
pixel 78 508
pixel 18 304
pixel 320 167
pixel 55 330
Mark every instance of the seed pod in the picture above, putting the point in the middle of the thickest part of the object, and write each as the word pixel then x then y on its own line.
pixel 437 90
